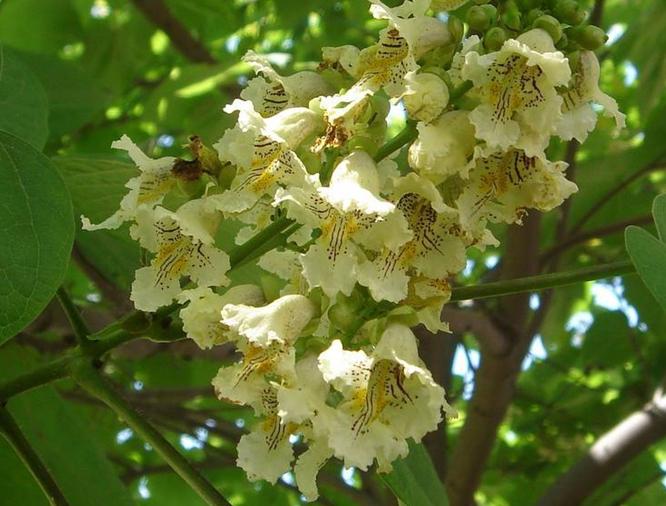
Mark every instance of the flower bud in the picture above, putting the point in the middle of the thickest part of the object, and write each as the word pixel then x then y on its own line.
pixel 589 37
pixel 526 5
pixel 494 38
pixel 477 19
pixel 344 314
pixel 533 15
pixel 456 28
pixel 491 11
pixel 511 16
pixel 568 11
pixel 550 25
pixel 426 96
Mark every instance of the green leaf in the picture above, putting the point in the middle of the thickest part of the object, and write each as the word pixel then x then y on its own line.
pixel 59 436
pixel 37 233
pixel 97 184
pixel 659 213
pixel 39 26
pixel 74 97
pixel 414 480
pixel 649 256
pixel 23 101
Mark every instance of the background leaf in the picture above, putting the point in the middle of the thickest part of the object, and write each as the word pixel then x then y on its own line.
pixel 59 437
pixel 649 257
pixel 97 184
pixel 37 233
pixel 22 100
pixel 414 480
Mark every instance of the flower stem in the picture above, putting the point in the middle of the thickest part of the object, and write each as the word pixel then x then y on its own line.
pixel 79 326
pixel 542 282
pixel 460 90
pixel 246 251
pixel 90 380
pixel 405 136
pixel 44 374
pixel 12 433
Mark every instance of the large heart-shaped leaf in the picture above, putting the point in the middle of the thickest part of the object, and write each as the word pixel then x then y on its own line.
pixel 659 213
pixel 649 253
pixel 37 231
pixel 23 101
pixel 414 480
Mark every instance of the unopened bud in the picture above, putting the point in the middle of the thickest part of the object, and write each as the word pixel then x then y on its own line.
pixel 477 19
pixel 494 38
pixel 550 25
pixel 491 12
pixel 533 15
pixel 456 28
pixel 512 16
pixel 568 11
pixel 589 37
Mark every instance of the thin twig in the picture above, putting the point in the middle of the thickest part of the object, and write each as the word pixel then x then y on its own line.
pixel 12 433
pixel 89 379
pixel 576 227
pixel 80 328
pixel 158 13
pixel 573 240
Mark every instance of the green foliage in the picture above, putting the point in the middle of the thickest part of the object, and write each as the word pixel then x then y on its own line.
pixel 649 253
pixel 54 429
pixel 414 480
pixel 22 100
pixel 37 233
pixel 96 185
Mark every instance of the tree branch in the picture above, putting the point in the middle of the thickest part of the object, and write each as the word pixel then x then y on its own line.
pixel 158 13
pixel 437 351
pixel 612 193
pixel 610 453
pixel 496 377
pixel 581 237
pixel 475 321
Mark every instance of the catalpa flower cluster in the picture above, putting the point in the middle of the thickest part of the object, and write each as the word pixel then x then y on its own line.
pixel 364 245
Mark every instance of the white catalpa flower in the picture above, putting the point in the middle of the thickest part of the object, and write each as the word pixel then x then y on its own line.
pixel 285 265
pixel 244 382
pixel 349 213
pixel 387 397
pixel 261 150
pixel 177 255
pixel 516 87
pixel 299 404
pixel 421 32
pixel 425 97
pixel 444 147
pixel 147 189
pixel 471 43
pixel 266 453
pixel 201 315
pixel 281 321
pixel 504 185
pixel 266 355
pixel 578 116
pixel 436 249
pixel 273 93
pixel 345 58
